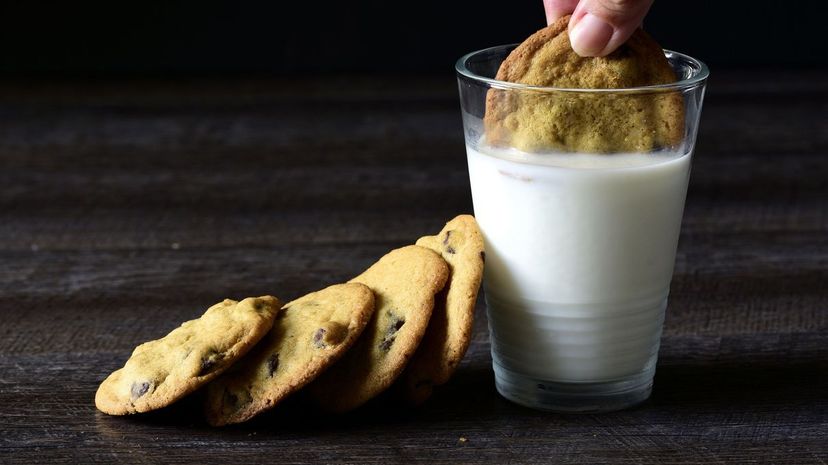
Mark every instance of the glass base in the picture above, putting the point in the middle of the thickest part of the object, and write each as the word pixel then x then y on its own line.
pixel 593 397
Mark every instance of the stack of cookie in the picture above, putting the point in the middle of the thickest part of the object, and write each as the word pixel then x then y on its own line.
pixel 406 321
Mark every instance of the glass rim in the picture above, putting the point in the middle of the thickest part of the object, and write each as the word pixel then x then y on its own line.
pixel 698 77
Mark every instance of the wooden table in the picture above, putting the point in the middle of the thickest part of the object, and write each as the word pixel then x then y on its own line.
pixel 129 207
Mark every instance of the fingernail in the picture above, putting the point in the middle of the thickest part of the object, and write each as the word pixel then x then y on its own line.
pixel 590 35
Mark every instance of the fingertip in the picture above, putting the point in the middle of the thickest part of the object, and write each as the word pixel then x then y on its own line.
pixel 598 27
pixel 590 35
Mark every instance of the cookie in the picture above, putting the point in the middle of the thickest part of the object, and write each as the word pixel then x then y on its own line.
pixel 404 283
pixel 534 121
pixel 460 243
pixel 309 335
pixel 162 371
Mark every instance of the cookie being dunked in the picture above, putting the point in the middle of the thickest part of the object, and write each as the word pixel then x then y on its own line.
pixel 404 282
pixel 571 121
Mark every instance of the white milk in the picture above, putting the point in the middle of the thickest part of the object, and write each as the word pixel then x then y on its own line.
pixel 579 256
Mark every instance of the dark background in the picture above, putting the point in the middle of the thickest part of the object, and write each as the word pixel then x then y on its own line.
pixel 235 149
pixel 364 36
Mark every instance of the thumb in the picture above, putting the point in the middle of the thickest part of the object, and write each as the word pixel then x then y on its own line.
pixel 598 27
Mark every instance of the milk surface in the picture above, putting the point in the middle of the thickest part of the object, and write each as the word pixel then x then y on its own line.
pixel 579 256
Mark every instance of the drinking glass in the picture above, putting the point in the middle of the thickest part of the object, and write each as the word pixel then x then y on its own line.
pixel 580 245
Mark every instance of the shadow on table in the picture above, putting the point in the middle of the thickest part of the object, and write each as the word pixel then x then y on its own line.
pixel 734 385
pixel 470 398
pixel 470 390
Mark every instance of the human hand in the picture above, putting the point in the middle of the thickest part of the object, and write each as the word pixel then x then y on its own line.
pixel 598 27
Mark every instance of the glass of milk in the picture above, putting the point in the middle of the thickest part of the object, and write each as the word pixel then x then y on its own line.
pixel 580 247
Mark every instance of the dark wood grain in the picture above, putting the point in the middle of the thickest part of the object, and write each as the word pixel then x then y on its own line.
pixel 128 207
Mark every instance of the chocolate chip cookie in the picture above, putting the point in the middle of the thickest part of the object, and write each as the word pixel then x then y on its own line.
pixel 162 371
pixel 538 121
pixel 404 283
pixel 309 335
pixel 460 243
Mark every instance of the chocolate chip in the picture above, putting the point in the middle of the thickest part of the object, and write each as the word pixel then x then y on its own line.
pixel 206 366
pixel 398 324
pixel 235 400
pixel 330 334
pixel 272 364
pixel 385 345
pixel 391 333
pixel 386 342
pixel 139 389
pixel 483 256
pixel 209 363
pixel 449 248
pixel 317 338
